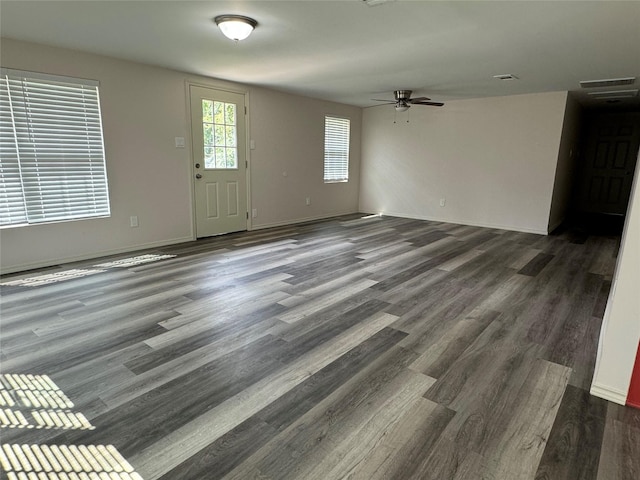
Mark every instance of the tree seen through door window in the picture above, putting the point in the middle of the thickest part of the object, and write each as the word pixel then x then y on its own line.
pixel 220 134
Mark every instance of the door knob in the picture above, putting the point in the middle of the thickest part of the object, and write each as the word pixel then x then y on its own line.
pixel 198 176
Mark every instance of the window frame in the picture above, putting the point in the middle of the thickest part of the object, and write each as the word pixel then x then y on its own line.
pixel 336 170
pixel 52 156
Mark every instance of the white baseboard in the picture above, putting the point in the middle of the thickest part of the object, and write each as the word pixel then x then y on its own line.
pixel 88 256
pixel 464 222
pixel 612 394
pixel 301 220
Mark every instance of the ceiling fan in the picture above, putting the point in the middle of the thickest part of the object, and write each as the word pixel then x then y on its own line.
pixel 403 100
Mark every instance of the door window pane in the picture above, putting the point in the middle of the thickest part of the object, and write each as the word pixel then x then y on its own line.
pixel 232 161
pixel 207 111
pixel 220 134
pixel 230 114
pixel 230 139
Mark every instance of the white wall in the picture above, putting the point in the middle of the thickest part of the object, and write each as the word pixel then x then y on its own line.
pixel 620 331
pixel 492 159
pixel 143 109
pixel 292 162
pixel 566 170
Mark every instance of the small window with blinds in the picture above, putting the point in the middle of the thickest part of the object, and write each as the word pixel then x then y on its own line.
pixel 52 164
pixel 336 149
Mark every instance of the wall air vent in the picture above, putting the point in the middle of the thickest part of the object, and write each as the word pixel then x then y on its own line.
pixel 611 94
pixel 506 76
pixel 610 82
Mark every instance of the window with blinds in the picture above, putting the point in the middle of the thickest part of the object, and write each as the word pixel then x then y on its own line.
pixel 52 164
pixel 336 149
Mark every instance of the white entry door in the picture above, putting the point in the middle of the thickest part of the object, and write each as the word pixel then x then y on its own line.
pixel 219 156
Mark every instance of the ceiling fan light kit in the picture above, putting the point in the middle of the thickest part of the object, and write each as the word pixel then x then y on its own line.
pixel 235 27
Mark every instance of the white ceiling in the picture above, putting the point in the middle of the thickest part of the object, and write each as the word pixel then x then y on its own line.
pixel 349 52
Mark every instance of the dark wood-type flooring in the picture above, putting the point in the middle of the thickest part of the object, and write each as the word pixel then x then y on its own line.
pixel 380 348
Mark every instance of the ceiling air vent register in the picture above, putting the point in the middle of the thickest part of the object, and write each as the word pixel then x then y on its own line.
pixel 373 3
pixel 614 94
pixel 609 82
pixel 506 76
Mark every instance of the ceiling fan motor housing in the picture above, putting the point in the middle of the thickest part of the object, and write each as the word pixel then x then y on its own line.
pixel 402 95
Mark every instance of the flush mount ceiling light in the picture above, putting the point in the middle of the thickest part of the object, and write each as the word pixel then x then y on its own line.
pixel 235 27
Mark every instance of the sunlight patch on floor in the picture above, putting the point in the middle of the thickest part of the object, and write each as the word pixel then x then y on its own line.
pixel 35 401
pixel 65 462
pixel 50 278
pixel 133 261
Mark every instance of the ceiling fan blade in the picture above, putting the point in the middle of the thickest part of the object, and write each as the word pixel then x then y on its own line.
pixel 418 99
pixel 379 100
pixel 433 104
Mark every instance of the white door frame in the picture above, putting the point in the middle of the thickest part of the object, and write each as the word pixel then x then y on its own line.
pixel 245 142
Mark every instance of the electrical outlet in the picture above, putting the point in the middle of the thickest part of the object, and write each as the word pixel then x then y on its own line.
pixel 133 221
pixel 307 200
pixel 254 213
pixel 442 201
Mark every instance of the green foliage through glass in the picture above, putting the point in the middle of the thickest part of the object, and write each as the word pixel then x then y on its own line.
pixel 220 134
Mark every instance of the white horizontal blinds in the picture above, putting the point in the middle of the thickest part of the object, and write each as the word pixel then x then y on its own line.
pixel 12 209
pixel 58 132
pixel 336 149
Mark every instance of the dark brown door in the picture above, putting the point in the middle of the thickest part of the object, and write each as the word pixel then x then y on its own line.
pixel 608 162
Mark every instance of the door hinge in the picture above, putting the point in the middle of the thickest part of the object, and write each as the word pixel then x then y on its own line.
pixel 246 164
pixel 245 110
pixel 247 215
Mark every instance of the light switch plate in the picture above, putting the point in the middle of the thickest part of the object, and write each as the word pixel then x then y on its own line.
pixel 179 142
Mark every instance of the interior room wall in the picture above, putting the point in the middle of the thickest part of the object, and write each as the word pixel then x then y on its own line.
pixel 566 170
pixel 143 109
pixel 492 160
pixel 292 162
pixel 620 332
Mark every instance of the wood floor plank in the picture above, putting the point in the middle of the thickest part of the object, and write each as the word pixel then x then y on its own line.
pixel 523 439
pixel 236 446
pixel 224 454
pixel 188 440
pixel 400 453
pixel 449 348
pixel 573 447
pixel 524 257
pixel 149 380
pixel 585 358
pixel 297 313
pixel 620 453
pixel 364 443
pixel 300 399
pixel 536 264
pixel 296 451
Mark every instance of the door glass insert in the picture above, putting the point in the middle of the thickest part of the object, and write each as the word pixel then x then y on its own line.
pixel 220 134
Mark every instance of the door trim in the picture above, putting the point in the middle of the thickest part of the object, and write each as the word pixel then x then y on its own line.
pixel 246 143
